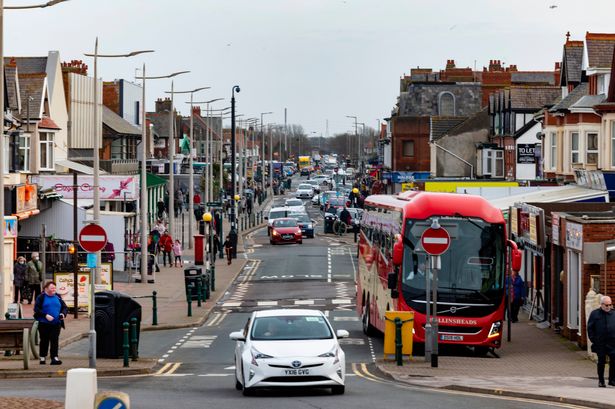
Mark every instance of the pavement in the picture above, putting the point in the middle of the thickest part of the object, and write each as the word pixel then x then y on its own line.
pixel 172 313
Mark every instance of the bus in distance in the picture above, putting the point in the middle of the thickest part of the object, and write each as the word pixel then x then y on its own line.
pixel 394 269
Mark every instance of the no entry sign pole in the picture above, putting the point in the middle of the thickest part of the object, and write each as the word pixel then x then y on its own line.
pixel 435 241
pixel 93 238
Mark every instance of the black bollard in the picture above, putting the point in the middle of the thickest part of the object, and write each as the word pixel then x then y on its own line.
pixel 154 308
pixel 134 347
pixel 398 342
pixel 126 345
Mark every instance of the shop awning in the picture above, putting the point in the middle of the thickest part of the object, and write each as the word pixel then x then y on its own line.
pixel 558 194
pixel 79 167
pixel 154 180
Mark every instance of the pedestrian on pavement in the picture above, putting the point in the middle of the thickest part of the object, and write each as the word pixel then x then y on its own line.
pixel 177 252
pixel 197 199
pixel 160 208
pixel 34 277
pixel 228 248
pixel 601 332
pixel 160 227
pixel 518 295
pixel 19 279
pixel 49 311
pixel 166 245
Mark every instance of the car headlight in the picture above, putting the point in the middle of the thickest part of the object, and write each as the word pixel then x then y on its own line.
pixel 275 233
pixel 496 329
pixel 309 226
pixel 334 353
pixel 258 355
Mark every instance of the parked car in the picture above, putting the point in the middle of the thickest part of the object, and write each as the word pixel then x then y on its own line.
pixel 305 224
pixel 305 190
pixel 289 348
pixel 285 230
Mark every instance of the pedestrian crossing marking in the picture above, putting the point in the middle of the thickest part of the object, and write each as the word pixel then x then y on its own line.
pixel 266 303
pixel 345 318
pixel 341 301
pixel 351 341
pixel 304 302
pixel 232 304
pixel 199 341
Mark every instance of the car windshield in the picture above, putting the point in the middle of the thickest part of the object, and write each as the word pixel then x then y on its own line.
pixel 285 223
pixel 290 328
pixel 301 217
pixel 305 186
pixel 294 202
pixel 276 214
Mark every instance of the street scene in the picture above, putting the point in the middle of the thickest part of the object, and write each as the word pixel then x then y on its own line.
pixel 258 218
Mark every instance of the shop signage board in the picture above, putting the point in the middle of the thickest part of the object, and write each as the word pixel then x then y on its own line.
pixel 111 187
pixel 534 219
pixel 65 285
pixel 555 228
pixel 574 236
pixel 514 220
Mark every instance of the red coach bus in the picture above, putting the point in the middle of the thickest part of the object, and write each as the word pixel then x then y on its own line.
pixel 392 265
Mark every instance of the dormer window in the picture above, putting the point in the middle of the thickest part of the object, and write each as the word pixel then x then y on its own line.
pixel 446 104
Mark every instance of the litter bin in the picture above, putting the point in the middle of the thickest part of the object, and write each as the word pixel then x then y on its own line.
pixel 191 275
pixel 111 310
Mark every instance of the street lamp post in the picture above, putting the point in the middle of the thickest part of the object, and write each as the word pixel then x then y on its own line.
pixel 144 197
pixel 355 134
pixel 172 166
pixel 263 152
pixel 2 90
pixel 235 88
pixel 360 147
pixel 96 132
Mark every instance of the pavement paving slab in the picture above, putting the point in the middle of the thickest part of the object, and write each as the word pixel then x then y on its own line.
pixel 27 403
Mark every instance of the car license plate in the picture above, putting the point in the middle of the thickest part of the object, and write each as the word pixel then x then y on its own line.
pixel 296 372
pixel 287 236
pixel 451 337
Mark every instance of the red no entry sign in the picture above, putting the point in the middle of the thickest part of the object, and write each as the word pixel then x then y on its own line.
pixel 93 238
pixel 435 241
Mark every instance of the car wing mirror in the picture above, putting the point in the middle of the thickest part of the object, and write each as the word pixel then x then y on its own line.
pixel 237 336
pixel 342 333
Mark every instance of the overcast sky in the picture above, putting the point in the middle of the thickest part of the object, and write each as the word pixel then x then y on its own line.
pixel 321 59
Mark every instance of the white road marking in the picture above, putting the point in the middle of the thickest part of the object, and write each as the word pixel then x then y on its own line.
pixel 216 374
pixel 341 301
pixel 304 302
pixel 345 318
pixel 231 304
pixel 229 368
pixel 351 341
pixel 267 303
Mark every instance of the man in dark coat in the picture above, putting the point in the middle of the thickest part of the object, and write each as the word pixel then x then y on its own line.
pixel 601 332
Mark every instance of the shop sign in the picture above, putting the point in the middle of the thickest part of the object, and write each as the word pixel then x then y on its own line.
pixel 574 236
pixel 407 186
pixel 555 228
pixel 66 289
pixel 524 222
pixel 534 228
pixel 111 187
pixel 525 153
pixel 27 198
pixel 10 227
pixel 514 221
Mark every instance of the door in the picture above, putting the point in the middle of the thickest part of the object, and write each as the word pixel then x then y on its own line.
pixel 574 289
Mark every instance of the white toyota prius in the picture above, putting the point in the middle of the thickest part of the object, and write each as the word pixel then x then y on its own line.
pixel 289 348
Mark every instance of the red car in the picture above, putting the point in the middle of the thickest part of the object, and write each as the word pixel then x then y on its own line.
pixel 285 230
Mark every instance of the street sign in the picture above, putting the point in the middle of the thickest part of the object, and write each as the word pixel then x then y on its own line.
pixel 435 241
pixel 93 238
pixel 213 204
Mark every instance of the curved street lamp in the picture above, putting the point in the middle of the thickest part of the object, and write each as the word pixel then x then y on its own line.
pixel 235 88
pixel 144 196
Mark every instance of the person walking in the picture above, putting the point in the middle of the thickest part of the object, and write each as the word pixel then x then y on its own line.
pixel 518 295
pixel 177 253
pixel 228 248
pixel 601 332
pixel 50 311
pixel 166 245
pixel 19 279
pixel 34 277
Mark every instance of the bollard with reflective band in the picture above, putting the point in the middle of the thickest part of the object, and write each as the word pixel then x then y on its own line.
pixel 134 341
pixel 154 308
pixel 126 345
pixel 199 291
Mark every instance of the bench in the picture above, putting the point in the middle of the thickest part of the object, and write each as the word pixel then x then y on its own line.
pixel 19 335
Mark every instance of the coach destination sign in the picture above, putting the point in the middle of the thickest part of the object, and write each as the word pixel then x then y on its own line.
pixel 525 153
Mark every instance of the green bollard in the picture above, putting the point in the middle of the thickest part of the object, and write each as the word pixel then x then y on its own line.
pixel 154 308
pixel 189 296
pixel 398 342
pixel 134 348
pixel 199 290
pixel 126 345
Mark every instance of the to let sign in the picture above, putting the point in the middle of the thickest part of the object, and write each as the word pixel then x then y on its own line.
pixel 93 238
pixel 435 241
pixel 525 153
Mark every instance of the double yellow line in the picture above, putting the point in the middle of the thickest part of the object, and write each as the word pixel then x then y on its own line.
pixel 168 369
pixel 360 369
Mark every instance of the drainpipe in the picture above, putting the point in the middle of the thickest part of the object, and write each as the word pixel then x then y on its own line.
pixel 456 156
